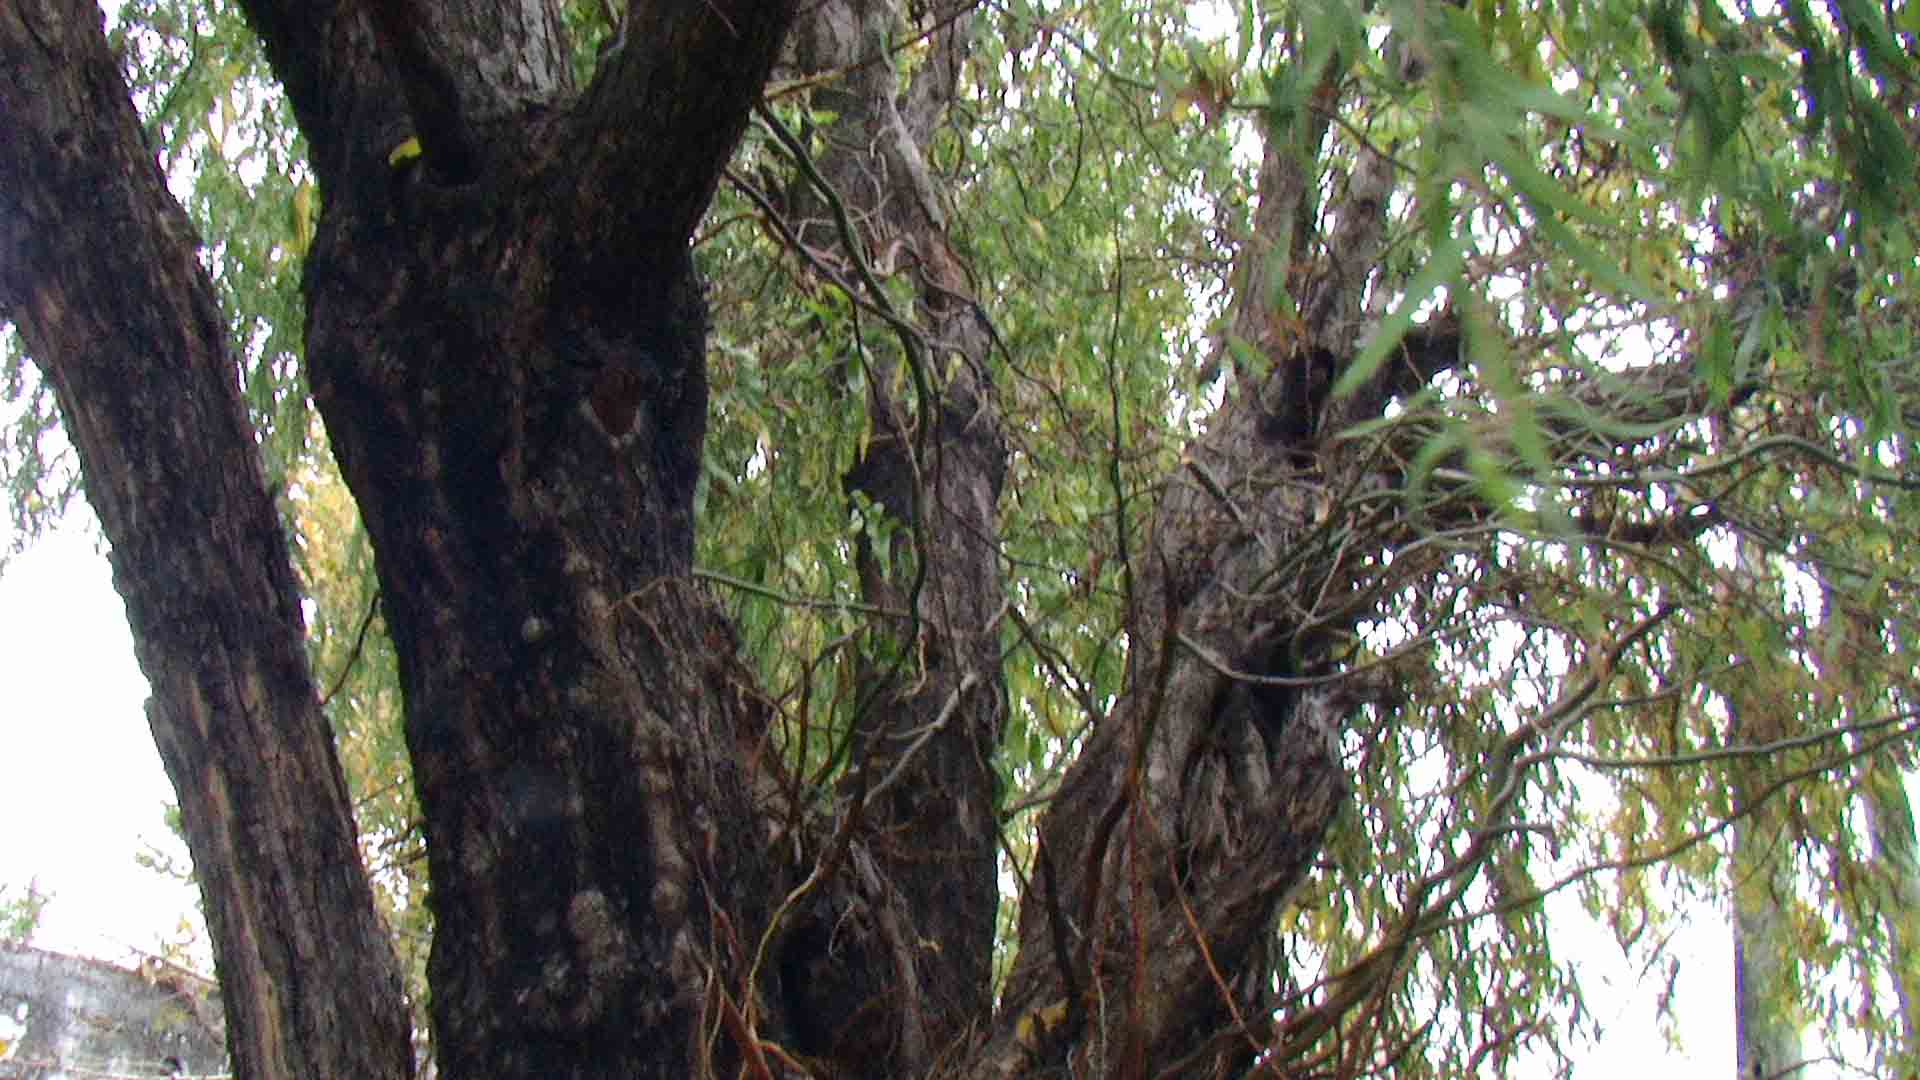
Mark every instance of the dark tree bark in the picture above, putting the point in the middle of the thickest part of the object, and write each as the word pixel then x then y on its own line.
pixel 506 340
pixel 99 271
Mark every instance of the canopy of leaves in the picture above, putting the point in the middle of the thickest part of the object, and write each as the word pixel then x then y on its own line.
pixel 1661 552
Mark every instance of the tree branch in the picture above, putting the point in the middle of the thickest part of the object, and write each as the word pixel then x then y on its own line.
pixel 685 77
pixel 470 69
pixel 344 97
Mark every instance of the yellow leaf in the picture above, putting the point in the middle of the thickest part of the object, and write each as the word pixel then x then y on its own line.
pixel 1039 1021
pixel 303 217
pixel 405 152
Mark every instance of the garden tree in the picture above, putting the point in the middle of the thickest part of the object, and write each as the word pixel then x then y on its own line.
pixel 20 915
pixel 801 499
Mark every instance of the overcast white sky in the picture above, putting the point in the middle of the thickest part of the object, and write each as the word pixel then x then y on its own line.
pixel 81 787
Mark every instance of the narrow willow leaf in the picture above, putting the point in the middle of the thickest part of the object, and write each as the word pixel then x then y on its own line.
pixel 1714 362
pixel 1869 27
pixel 1604 269
pixel 1442 271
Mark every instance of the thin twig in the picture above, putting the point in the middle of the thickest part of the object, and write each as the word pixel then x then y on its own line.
pixel 359 642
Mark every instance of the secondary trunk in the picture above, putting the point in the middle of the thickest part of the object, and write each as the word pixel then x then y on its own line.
pixel 137 352
pixel 1765 986
pixel 910 972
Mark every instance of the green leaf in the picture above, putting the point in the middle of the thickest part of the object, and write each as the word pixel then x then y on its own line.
pixel 1714 362
pixel 1442 271
pixel 1866 22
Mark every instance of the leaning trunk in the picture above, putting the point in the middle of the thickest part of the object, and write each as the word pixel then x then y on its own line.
pixel 1203 800
pixel 136 350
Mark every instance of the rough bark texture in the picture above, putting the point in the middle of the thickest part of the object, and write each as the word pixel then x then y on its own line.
pixel 1200 803
pixel 506 339
pixel 920 805
pixel 137 352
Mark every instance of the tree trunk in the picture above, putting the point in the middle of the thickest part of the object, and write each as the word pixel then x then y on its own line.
pixel 506 339
pixel 920 804
pixel 1202 801
pixel 137 352
pixel 1766 1035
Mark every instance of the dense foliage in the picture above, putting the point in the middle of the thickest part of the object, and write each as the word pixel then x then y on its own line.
pixel 1629 567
